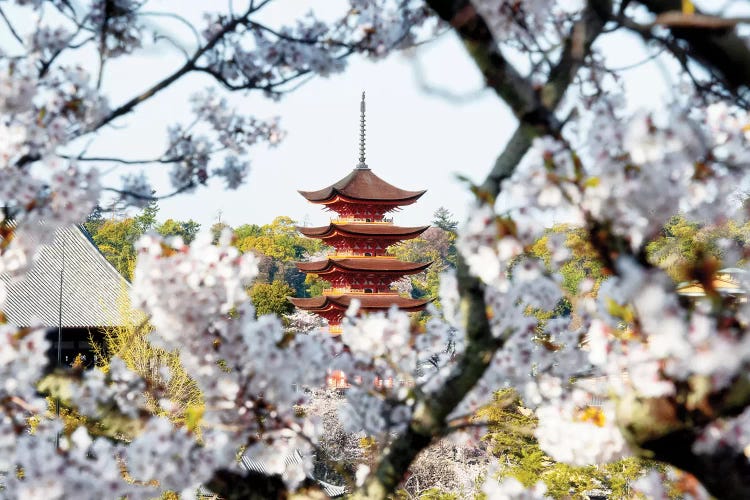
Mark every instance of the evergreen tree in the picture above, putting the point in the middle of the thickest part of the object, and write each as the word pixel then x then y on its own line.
pixel 445 220
pixel 94 221
pixel 184 229
pixel 147 218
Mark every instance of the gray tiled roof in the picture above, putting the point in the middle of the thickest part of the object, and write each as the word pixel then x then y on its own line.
pixel 295 458
pixel 92 290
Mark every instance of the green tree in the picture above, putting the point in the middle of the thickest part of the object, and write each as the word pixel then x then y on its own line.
pixel 436 245
pixel 279 240
pixel 147 218
pixel 184 229
pixel 582 262
pixel 271 298
pixel 445 220
pixel 246 230
pixel 116 240
pixel 116 237
pixel 216 231
pixel 278 245
pixel 314 285
pixel 94 221
pixel 510 437
pixel 688 250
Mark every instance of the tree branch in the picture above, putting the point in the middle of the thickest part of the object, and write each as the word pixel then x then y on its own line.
pixel 505 164
pixel 186 68
pixel 111 159
pixel 499 74
pixel 720 50
pixel 534 109
pixel 431 410
pixel 11 28
pixel 725 472
pixel 666 428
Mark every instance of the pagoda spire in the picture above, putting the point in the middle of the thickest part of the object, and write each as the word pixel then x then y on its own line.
pixel 362 164
pixel 358 267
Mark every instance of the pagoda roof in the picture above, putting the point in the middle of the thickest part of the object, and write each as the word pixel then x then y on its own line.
pixel 362 184
pixel 362 230
pixel 376 264
pixel 368 302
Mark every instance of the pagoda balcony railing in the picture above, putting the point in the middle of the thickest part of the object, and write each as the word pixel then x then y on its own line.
pixel 360 291
pixel 349 220
pixel 350 255
pixel 337 379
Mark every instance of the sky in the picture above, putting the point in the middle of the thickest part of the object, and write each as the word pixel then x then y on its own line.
pixel 415 139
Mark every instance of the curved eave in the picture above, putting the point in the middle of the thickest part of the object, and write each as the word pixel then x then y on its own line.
pixel 336 196
pixel 366 264
pixel 362 230
pixel 318 303
pixel 367 302
pixel 362 185
pixel 383 302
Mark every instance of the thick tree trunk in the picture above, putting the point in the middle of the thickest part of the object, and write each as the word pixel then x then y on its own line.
pixel 721 50
pixel 535 111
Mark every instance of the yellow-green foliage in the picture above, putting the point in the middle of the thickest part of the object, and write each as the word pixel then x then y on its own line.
pixel 583 261
pixel 129 343
pixel 271 298
pixel 278 240
pixel 431 494
pixel 314 285
pixel 510 438
pixel 686 247
pixel 115 239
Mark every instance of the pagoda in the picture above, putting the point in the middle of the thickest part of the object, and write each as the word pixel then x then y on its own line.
pixel 360 234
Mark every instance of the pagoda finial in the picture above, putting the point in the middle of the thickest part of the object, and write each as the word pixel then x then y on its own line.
pixel 362 164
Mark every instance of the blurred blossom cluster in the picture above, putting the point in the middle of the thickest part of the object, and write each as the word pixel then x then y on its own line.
pixel 578 369
pixel 248 370
pixel 635 338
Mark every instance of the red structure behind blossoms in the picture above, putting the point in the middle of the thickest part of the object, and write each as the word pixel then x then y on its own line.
pixel 358 267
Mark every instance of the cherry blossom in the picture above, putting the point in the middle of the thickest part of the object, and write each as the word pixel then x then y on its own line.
pixel 512 489
pixel 615 174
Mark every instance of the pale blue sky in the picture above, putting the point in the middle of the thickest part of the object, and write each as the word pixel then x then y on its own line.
pixel 415 140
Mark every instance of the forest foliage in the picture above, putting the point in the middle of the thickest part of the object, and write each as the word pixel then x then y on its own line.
pixel 278 245
pixel 509 434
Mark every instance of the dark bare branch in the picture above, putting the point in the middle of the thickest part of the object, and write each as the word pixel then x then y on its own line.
pixel 536 115
pixel 535 109
pixel 11 28
pixel 667 428
pixel 183 70
pixel 432 410
pixel 150 197
pixel 721 50
pixel 111 159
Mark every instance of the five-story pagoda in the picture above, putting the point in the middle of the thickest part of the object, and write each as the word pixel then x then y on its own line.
pixel 358 267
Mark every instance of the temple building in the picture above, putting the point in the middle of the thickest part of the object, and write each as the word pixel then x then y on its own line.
pixel 727 283
pixel 72 292
pixel 360 234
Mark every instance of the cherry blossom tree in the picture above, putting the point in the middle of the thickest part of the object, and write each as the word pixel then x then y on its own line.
pixel 659 376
